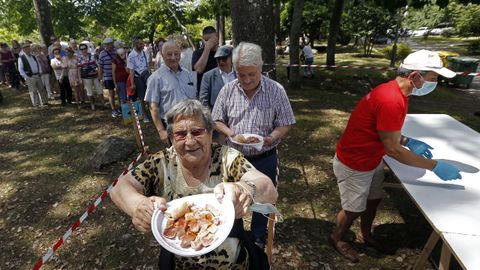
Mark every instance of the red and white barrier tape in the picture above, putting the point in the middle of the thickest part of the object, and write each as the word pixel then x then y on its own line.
pixel 82 218
pixel 370 68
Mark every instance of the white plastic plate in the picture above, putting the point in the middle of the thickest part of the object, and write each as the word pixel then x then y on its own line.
pixel 257 146
pixel 173 245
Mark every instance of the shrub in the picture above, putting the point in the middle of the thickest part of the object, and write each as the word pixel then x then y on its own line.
pixel 402 51
pixel 474 46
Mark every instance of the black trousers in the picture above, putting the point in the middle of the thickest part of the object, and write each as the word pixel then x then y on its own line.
pixel 65 90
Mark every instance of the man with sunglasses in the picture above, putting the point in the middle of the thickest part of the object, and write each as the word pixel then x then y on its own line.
pixel 167 86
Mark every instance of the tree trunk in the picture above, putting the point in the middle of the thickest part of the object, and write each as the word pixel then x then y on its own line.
pixel 220 25
pixel 44 20
pixel 294 50
pixel 252 21
pixel 333 32
pixel 151 33
pixel 276 18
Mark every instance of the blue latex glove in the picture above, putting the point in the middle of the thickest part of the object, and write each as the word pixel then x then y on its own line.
pixel 419 148
pixel 446 171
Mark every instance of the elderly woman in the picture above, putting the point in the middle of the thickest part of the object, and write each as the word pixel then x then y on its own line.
pixel 193 165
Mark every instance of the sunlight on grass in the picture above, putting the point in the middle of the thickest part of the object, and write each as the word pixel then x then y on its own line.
pixel 7 190
pixel 73 201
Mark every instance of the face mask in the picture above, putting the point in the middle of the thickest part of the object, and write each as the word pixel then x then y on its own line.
pixel 266 209
pixel 426 88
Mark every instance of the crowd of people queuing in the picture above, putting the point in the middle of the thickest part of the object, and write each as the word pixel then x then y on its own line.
pixel 184 92
pixel 199 102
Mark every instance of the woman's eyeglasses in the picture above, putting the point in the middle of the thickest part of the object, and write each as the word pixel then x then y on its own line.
pixel 182 134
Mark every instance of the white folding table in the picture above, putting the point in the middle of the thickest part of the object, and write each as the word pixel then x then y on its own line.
pixel 451 207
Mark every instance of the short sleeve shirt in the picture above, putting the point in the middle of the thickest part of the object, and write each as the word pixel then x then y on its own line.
pixel 268 109
pixel 385 109
pixel 137 61
pixel 57 63
pixel 161 175
pixel 105 61
pixel 121 73
pixel 167 88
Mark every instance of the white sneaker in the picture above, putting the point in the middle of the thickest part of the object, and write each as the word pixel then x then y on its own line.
pixel 114 114
pixel 146 120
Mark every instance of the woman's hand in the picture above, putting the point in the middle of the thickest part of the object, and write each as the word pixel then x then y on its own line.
pixel 142 215
pixel 237 193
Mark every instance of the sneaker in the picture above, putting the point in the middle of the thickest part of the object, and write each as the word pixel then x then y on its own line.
pixel 146 120
pixel 114 114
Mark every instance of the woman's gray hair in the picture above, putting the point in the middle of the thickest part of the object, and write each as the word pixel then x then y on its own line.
pixel 189 108
pixel 247 54
pixel 404 72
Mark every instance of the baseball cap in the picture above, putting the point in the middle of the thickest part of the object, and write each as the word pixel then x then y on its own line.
pixel 108 40
pixel 425 60
pixel 223 51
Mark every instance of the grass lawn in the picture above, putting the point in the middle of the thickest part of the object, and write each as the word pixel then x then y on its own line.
pixel 45 185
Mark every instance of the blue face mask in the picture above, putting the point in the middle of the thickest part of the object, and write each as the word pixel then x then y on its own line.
pixel 426 88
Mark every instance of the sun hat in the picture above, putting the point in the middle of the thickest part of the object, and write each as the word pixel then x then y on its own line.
pixel 424 60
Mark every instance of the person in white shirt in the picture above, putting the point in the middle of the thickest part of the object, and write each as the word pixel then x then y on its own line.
pixel 31 71
pixel 308 52
pixel 138 63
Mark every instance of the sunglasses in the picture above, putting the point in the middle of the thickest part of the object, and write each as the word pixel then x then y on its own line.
pixel 83 49
pixel 182 134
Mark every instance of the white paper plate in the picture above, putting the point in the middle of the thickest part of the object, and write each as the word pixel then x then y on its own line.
pixel 173 245
pixel 257 146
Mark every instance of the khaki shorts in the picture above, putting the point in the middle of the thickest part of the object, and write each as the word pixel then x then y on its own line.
pixel 356 187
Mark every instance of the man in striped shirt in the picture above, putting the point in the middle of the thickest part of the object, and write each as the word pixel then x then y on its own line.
pixel 258 105
pixel 105 71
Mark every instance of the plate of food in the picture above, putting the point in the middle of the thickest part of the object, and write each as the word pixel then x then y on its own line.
pixel 252 140
pixel 193 225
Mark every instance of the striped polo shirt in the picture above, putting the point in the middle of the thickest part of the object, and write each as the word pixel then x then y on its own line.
pixel 105 61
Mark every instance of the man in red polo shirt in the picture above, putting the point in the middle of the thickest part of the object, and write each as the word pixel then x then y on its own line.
pixel 373 130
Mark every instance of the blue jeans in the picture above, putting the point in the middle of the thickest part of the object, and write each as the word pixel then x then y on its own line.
pixel 122 91
pixel 268 166
pixel 308 70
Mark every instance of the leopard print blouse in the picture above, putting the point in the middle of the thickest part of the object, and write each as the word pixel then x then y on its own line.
pixel 161 175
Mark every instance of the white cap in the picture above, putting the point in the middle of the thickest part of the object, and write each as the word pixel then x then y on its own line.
pixel 107 40
pixel 426 61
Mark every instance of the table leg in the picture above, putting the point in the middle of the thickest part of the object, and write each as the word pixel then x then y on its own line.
pixel 271 232
pixel 445 257
pixel 432 241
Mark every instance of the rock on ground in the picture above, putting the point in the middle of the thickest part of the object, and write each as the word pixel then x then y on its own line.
pixel 111 150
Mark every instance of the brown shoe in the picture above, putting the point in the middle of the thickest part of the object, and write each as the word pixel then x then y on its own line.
pixel 345 249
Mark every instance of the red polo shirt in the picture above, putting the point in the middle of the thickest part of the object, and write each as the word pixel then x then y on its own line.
pixel 384 108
